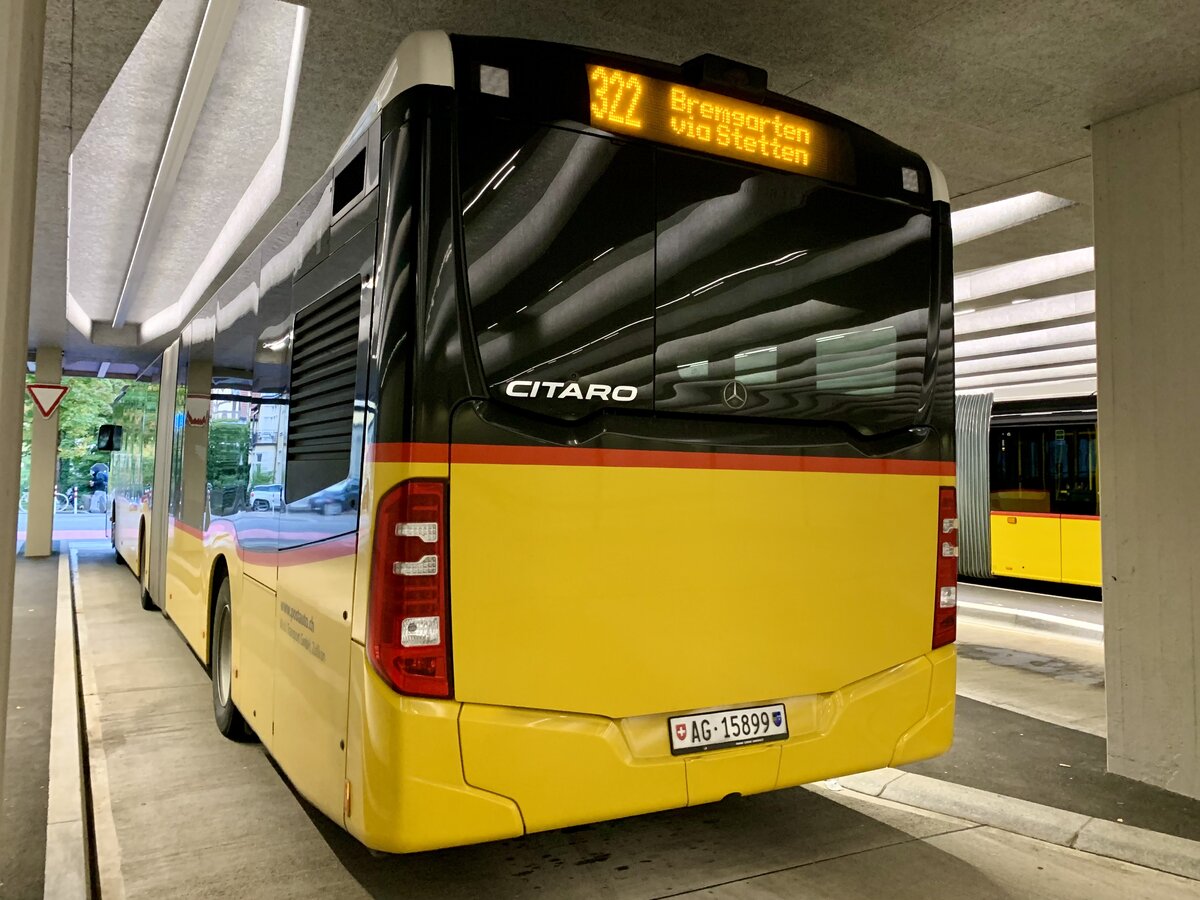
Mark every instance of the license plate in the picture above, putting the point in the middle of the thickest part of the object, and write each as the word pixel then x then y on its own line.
pixel 727 728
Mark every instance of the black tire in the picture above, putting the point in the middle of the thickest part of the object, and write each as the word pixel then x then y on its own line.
pixel 147 601
pixel 229 721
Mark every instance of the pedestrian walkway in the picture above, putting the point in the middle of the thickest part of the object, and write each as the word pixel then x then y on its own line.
pixel 1019 756
pixel 27 745
pixel 1031 713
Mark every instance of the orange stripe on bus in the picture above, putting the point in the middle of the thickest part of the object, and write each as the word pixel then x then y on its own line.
pixel 409 453
pixel 498 454
pixel 1042 515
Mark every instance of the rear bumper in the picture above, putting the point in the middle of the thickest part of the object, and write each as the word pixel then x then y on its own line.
pixel 428 774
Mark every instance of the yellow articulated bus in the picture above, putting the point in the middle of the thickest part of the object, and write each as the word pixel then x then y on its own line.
pixel 581 445
pixel 1045 488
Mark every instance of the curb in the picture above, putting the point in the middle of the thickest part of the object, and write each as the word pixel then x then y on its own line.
pixel 1126 843
pixel 987 614
pixel 67 872
pixel 110 882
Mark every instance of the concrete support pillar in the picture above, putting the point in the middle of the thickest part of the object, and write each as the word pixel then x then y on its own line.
pixel 22 29
pixel 1147 223
pixel 43 463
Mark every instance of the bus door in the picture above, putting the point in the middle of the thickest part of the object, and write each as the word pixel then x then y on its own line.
pixel 164 426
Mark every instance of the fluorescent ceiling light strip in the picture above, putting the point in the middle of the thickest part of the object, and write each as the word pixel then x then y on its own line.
pixel 215 28
pixel 1031 360
pixel 1038 339
pixel 1048 309
pixel 262 190
pixel 989 218
pixel 1025 375
pixel 1013 276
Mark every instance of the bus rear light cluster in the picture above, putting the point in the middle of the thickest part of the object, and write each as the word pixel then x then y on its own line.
pixel 407 639
pixel 945 609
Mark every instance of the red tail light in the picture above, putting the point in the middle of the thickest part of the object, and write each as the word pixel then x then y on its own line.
pixel 407 638
pixel 945 594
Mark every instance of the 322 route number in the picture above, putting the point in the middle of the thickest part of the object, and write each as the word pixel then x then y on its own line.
pixel 615 97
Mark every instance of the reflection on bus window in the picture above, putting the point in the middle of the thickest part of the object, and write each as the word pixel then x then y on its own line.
pixel 858 362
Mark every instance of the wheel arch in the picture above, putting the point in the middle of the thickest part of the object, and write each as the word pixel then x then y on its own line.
pixel 143 544
pixel 220 569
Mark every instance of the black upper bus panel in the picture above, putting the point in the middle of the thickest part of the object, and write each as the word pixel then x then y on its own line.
pixel 549 83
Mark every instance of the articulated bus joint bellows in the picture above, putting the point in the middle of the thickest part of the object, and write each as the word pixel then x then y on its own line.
pixel 713 431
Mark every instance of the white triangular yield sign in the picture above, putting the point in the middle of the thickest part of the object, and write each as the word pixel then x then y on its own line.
pixel 46 397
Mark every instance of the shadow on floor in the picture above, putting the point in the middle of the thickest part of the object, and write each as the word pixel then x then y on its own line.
pixel 1008 753
pixel 736 843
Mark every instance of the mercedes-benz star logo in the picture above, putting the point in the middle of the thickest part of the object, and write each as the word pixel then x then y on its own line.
pixel 734 395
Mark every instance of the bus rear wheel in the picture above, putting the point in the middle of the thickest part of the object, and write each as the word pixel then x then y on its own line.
pixel 229 721
pixel 142 572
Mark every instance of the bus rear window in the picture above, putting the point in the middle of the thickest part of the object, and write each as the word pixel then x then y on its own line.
pixel 695 285
pixel 780 296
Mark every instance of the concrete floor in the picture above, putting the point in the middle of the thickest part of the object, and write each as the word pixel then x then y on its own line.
pixel 27 746
pixel 180 812
pixel 1056 678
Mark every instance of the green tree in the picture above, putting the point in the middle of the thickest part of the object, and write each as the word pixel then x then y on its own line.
pixel 228 464
pixel 87 406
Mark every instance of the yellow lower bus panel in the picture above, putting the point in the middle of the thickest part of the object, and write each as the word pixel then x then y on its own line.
pixel 423 774
pixel 1081 550
pixel 1026 546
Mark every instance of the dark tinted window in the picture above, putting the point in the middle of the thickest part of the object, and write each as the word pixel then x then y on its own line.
pixel 1049 469
pixel 560 249
pixel 348 183
pixel 814 299
pixel 627 265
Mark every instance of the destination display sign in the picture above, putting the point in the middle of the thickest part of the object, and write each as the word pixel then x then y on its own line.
pixel 657 110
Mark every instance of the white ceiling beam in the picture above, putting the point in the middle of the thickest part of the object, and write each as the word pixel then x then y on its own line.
pixel 1048 373
pixel 1023 273
pixel 1065 387
pixel 1034 339
pixel 214 32
pixel 1000 215
pixel 1029 360
pixel 1025 312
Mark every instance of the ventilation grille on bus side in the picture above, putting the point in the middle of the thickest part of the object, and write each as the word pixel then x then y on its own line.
pixel 321 409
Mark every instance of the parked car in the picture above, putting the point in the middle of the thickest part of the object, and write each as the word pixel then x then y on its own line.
pixel 265 497
pixel 336 498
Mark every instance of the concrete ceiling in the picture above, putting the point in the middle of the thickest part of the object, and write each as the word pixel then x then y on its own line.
pixel 1000 93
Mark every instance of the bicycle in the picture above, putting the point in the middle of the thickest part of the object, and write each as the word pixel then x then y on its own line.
pixel 61 503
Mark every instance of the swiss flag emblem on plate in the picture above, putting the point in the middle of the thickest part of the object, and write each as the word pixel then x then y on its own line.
pixel 681 731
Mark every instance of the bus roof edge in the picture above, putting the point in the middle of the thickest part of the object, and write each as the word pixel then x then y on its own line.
pixel 423 57
pixel 937 181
